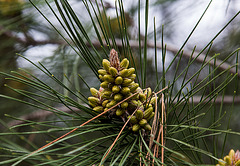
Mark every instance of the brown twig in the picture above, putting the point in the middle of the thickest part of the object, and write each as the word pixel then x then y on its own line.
pixel 154 126
pixel 119 134
pixel 162 141
pixel 158 137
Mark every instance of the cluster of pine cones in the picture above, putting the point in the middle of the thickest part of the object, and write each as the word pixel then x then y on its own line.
pixel 117 85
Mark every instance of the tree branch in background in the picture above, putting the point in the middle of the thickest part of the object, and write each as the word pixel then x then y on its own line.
pixel 42 114
pixel 134 44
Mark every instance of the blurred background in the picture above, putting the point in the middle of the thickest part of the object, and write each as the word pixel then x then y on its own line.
pixel 24 31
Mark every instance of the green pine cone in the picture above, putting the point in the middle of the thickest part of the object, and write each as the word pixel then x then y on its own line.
pixel 108 78
pixel 118 97
pixel 133 86
pixel 124 63
pixel 104 103
pixel 126 81
pixel 143 122
pixel 105 84
pixel 135 127
pixel 150 117
pixel 94 100
pixel 106 64
pixel 106 94
pixel 115 89
pixel 153 99
pixel 113 71
pixel 124 105
pixel 111 104
pixel 148 92
pixel 133 119
pixel 148 127
pixel 139 114
pixel 142 97
pixel 102 72
pixel 101 77
pixel 148 112
pixel 98 108
pixel 237 163
pixel 94 92
pixel 92 104
pixel 123 73
pixel 118 80
pixel 120 112
pixel 132 77
pixel 130 72
pixel 125 90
